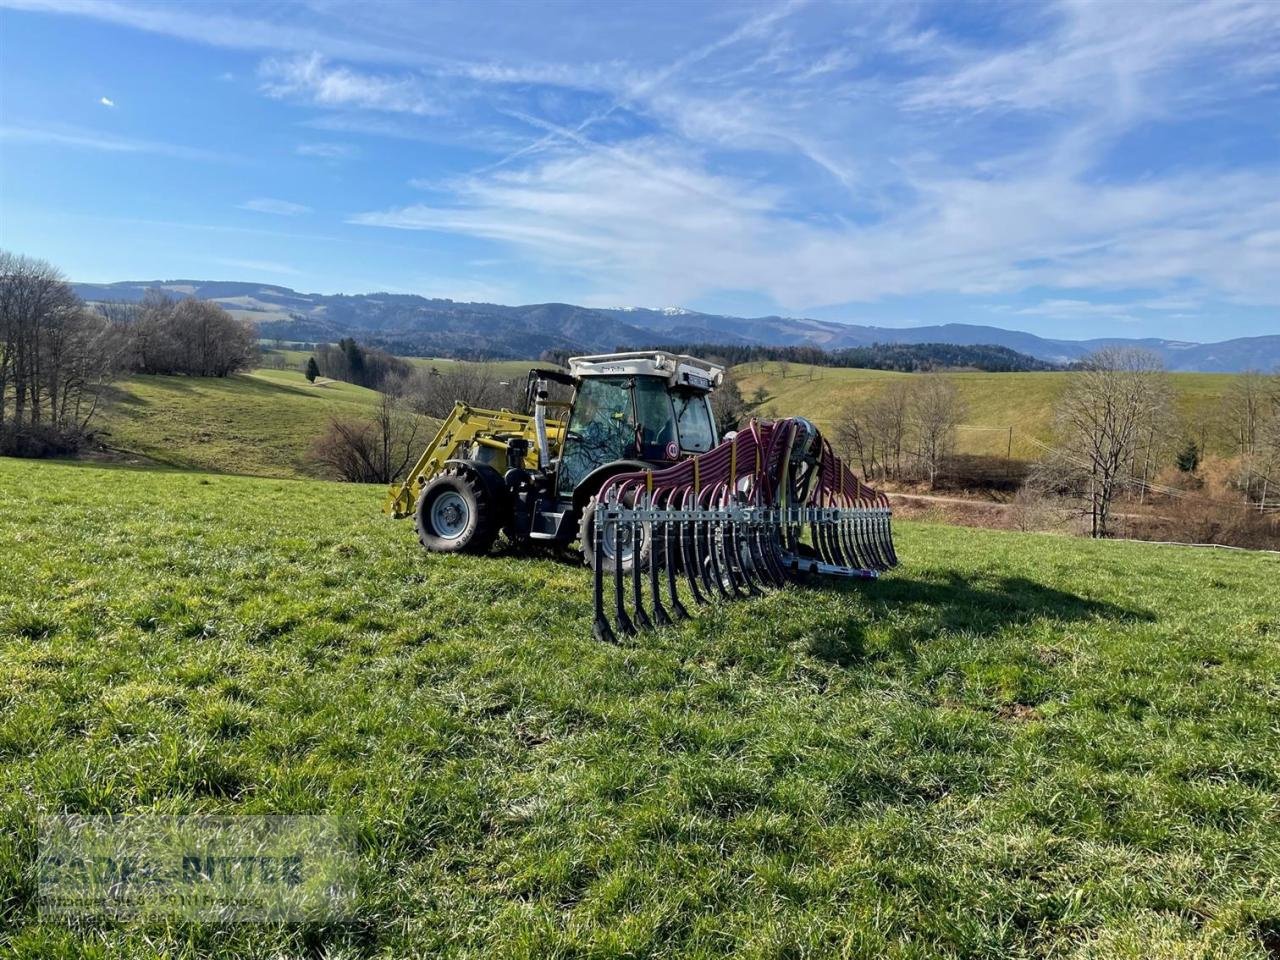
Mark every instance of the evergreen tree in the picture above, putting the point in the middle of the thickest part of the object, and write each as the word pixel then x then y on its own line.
pixel 313 370
pixel 1188 457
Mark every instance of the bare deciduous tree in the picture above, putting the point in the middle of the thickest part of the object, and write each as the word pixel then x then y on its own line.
pixel 936 411
pixel 194 337
pixel 55 357
pixel 434 392
pixel 1104 416
pixel 908 425
pixel 376 450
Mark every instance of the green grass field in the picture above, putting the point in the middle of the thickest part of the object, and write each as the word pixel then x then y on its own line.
pixel 1012 746
pixel 995 401
pixel 256 423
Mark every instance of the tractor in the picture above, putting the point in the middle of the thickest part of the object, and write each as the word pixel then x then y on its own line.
pixel 631 467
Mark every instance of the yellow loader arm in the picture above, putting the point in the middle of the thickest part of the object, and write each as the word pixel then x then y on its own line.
pixel 464 429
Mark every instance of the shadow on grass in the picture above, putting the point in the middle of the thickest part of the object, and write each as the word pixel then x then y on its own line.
pixel 958 605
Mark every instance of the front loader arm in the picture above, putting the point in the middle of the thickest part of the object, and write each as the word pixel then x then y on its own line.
pixel 464 426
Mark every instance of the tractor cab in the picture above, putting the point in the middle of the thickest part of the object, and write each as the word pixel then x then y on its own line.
pixel 639 408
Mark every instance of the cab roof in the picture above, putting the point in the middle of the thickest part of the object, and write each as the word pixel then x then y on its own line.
pixel 679 370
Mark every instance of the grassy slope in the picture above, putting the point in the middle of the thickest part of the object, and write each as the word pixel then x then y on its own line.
pixel 256 423
pixel 996 401
pixel 519 369
pixel 1015 745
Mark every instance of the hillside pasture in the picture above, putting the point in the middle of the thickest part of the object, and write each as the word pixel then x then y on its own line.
pixel 259 423
pixel 995 401
pixel 296 360
pixel 1015 745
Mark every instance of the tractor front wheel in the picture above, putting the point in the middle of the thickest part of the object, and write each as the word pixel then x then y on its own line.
pixel 456 514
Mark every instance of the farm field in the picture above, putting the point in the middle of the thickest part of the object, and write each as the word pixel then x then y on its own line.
pixel 995 401
pixel 259 423
pixel 1015 745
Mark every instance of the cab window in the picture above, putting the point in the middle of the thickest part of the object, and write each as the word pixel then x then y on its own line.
pixel 655 417
pixel 693 420
pixel 601 429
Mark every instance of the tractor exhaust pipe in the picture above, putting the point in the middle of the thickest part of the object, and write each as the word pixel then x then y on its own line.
pixel 540 424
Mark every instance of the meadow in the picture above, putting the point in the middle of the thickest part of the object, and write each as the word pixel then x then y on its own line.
pixel 1015 745
pixel 260 423
pixel 995 401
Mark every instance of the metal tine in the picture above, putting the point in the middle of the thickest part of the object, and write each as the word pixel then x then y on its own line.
pixel 660 617
pixel 888 538
pixel 851 534
pixel 600 628
pixel 831 540
pixel 876 523
pixel 710 531
pixel 689 552
pixel 640 617
pixel 734 550
pixel 833 535
pixel 869 539
pixel 702 564
pixel 839 545
pixel 723 546
pixel 866 553
pixel 678 612
pixel 765 542
pixel 625 625
pixel 776 541
pixel 741 532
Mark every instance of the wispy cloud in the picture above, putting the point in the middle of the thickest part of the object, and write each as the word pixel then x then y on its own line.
pixel 93 140
pixel 106 101
pixel 326 151
pixel 311 79
pixel 808 153
pixel 667 236
pixel 281 208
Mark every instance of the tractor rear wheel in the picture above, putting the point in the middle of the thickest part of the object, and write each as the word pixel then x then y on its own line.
pixel 456 513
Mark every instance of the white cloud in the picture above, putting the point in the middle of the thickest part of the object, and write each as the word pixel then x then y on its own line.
pixel 673 232
pixel 326 151
pixel 312 79
pixel 107 102
pixel 1112 55
pixel 281 208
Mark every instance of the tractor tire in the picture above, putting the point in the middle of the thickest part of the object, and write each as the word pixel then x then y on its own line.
pixel 586 533
pixel 457 512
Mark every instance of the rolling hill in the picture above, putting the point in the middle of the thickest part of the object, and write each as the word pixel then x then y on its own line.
pixel 258 423
pixel 408 324
pixel 995 401
pixel 262 423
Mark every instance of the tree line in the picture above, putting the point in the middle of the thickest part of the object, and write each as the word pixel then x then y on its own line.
pixel 360 364
pixel 1116 428
pixel 902 357
pixel 169 335
pixel 906 430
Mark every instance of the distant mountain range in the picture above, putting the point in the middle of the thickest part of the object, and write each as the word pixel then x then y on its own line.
pixel 410 324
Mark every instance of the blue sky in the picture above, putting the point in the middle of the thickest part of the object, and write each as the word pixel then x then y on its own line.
pixel 1072 169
